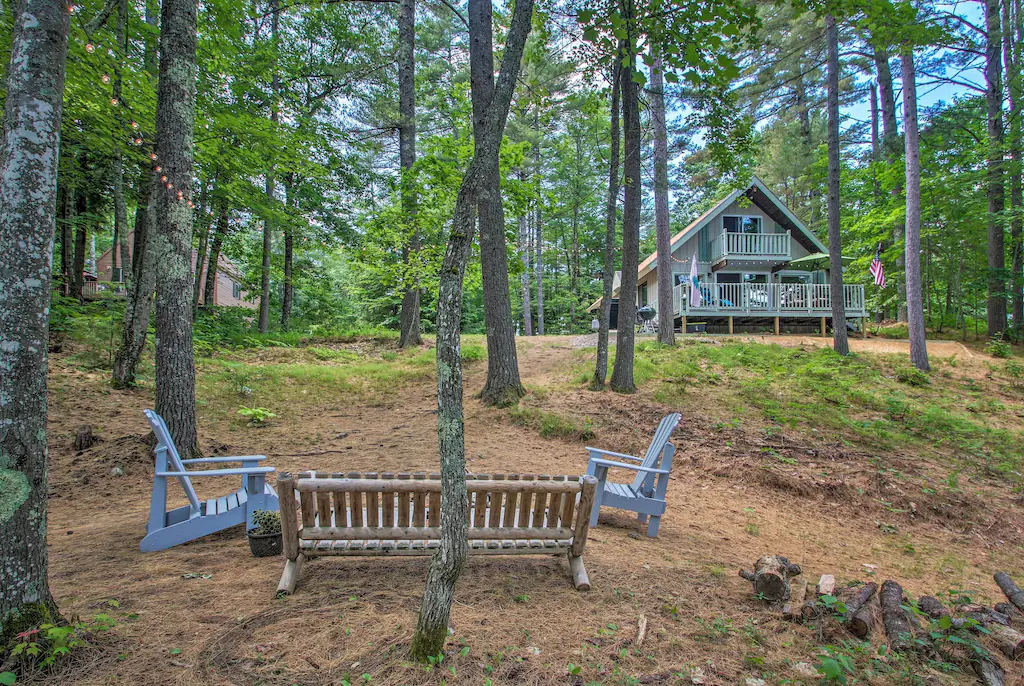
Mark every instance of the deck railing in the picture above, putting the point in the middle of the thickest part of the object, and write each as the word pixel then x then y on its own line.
pixel 782 299
pixel 751 246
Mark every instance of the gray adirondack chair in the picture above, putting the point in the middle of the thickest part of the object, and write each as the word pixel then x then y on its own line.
pixel 198 518
pixel 646 495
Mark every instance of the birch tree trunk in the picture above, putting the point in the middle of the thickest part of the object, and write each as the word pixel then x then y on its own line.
pixel 409 318
pixel 610 220
pixel 839 339
pixel 915 308
pixel 448 561
pixel 28 211
pixel 172 244
pixel 996 304
pixel 666 318
pixel 503 386
pixel 622 372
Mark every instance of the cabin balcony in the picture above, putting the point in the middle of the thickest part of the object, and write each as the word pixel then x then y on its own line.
pixel 760 248
pixel 767 300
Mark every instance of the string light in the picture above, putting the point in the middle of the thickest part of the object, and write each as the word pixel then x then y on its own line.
pixel 164 179
pixel 89 47
pixel 114 101
pixel 158 169
pixel 152 155
pixel 135 125
pixel 105 78
pixel 71 9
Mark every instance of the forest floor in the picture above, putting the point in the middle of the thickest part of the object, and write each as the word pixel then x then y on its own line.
pixel 856 468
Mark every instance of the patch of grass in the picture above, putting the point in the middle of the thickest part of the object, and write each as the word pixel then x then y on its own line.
pixel 551 425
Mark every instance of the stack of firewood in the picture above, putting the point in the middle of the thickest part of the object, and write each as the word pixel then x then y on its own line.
pixel 774 582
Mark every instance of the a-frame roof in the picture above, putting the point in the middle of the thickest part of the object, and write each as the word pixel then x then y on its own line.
pixel 759 194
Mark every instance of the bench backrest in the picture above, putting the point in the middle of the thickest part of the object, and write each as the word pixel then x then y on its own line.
pixel 354 506
pixel 654 452
pixel 166 452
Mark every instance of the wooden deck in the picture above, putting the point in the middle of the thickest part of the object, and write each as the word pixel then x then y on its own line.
pixel 767 300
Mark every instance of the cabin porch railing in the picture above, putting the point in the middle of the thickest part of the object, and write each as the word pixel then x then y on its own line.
pixel 772 299
pixel 751 246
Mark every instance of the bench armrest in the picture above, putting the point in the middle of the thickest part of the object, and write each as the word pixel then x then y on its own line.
pixel 623 465
pixel 220 472
pixel 214 460
pixel 621 456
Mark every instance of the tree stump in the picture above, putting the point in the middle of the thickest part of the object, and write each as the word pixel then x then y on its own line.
pixel 83 438
pixel 771 577
pixel 894 617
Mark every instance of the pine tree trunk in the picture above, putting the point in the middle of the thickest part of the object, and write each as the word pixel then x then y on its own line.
pixel 622 372
pixel 524 279
pixel 119 248
pixel 409 318
pixel 839 340
pixel 1012 56
pixel 268 225
pixel 139 301
pixel 28 211
pixel 204 244
pixel 610 220
pixel 915 311
pixel 67 239
pixel 503 386
pixel 219 233
pixel 447 563
pixel 996 305
pixel 289 256
pixel 891 149
pixel 666 317
pixel 172 244
pixel 539 246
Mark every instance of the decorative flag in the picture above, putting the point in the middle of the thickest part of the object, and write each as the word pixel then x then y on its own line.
pixel 695 297
pixel 877 270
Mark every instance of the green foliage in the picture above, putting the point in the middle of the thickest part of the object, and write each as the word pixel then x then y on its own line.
pixel 267 522
pixel 912 376
pixel 257 416
pixel 43 646
pixel 997 347
pixel 552 425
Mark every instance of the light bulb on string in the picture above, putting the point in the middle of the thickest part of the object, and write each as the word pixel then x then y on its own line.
pixel 114 101
pixel 72 9
pixel 90 48
pixel 180 196
pixel 158 168
pixel 152 155
pixel 170 186
pixel 191 204
pixel 105 78
pixel 164 179
pixel 135 125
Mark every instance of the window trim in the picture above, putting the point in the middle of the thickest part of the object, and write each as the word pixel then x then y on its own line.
pixel 741 217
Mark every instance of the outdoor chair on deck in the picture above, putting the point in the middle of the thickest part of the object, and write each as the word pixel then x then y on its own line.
pixel 646 495
pixel 197 519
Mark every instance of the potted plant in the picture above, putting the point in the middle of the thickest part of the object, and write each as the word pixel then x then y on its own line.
pixel 265 537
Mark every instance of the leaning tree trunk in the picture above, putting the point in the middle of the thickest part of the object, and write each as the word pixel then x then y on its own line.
pixel 611 210
pixel 622 373
pixel 28 212
pixel 268 225
pixel 839 340
pixel 915 305
pixel 175 119
pixel 219 232
pixel 139 302
pixel 996 304
pixel 447 563
pixel 666 317
pixel 891 149
pixel 409 318
pixel 502 386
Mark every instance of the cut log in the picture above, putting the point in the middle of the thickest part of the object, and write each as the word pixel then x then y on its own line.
pixel 857 622
pixel 897 626
pixel 1012 613
pixel 934 608
pixel 1012 592
pixel 84 438
pixel 865 618
pixel 989 671
pixel 793 606
pixel 827 585
pixel 771 577
pixel 984 615
pixel 1010 641
pixel 641 631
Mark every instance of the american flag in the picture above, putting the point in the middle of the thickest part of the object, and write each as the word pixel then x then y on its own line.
pixel 877 270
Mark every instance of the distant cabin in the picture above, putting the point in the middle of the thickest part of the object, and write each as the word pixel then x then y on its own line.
pixel 758 266
pixel 229 291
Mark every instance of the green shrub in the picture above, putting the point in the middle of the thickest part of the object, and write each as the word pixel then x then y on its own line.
pixel 997 347
pixel 551 425
pixel 257 416
pixel 1015 372
pixel 912 376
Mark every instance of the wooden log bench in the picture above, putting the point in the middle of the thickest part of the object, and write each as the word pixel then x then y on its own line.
pixel 387 514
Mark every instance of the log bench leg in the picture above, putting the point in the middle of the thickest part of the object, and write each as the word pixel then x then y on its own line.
pixel 290 576
pixel 580 580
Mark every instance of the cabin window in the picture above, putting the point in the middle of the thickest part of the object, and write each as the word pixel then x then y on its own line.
pixel 741 224
pixel 642 295
pixel 704 244
pixel 236 291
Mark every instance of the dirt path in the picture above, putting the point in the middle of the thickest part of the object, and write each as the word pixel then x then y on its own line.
pixel 520 618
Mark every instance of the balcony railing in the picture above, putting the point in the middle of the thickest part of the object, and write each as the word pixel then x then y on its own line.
pixel 771 299
pixel 751 246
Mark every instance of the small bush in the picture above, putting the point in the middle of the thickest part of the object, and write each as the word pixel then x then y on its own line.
pixel 257 416
pixel 997 347
pixel 912 376
pixel 1015 373
pixel 551 425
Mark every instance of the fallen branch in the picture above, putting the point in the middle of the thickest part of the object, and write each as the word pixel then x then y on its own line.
pixel 858 612
pixel 897 626
pixel 641 632
pixel 1012 592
